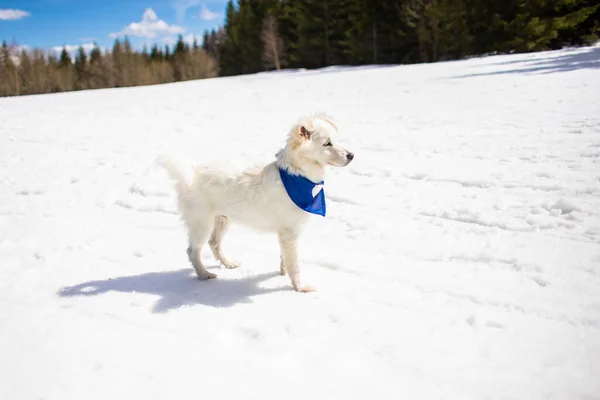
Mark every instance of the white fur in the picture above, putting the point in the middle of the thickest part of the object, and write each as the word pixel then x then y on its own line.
pixel 210 196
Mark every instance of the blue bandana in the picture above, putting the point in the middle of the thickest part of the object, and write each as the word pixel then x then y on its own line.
pixel 306 194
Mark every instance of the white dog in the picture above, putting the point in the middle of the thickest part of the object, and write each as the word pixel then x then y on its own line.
pixel 276 198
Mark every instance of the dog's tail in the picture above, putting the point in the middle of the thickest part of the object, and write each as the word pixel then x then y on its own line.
pixel 182 174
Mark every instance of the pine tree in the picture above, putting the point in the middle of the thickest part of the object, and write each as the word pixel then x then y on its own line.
pixel 249 48
pixel 130 78
pixel 65 71
pixel 530 30
pixel 81 69
pixel 9 76
pixel 98 74
pixel 287 21
pixel 230 51
pixel 359 48
pixel 65 58
pixel 314 33
pixel 213 42
pixel 155 53
pixel 577 22
pixel 118 64
pixel 455 39
pixel 95 54
pixel 206 38
pixel 180 46
pixel 180 60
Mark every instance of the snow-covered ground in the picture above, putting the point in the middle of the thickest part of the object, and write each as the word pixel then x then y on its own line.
pixel 460 258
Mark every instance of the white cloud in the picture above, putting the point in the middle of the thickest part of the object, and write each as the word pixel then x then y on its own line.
pixel 208 15
pixel 72 48
pixel 149 15
pixel 12 14
pixel 181 7
pixel 149 27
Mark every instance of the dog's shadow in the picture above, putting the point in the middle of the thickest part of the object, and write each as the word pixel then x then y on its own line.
pixel 178 288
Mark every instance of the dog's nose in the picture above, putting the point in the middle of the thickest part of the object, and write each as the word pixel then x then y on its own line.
pixel 350 156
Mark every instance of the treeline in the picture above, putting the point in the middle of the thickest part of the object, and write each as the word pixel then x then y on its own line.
pixel 262 34
pixel 259 35
pixel 32 72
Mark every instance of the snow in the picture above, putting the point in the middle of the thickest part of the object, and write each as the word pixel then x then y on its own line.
pixel 460 258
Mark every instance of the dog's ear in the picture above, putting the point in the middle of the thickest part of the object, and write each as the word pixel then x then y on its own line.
pixel 324 117
pixel 305 133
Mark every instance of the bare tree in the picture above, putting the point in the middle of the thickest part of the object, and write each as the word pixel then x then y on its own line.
pixel 25 72
pixel 272 42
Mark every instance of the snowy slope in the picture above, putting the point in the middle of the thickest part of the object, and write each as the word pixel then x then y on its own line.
pixel 460 258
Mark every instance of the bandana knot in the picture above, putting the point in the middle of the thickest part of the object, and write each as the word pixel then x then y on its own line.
pixel 306 194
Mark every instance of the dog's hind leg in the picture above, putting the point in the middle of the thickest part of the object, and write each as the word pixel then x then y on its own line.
pixel 288 239
pixel 198 234
pixel 216 238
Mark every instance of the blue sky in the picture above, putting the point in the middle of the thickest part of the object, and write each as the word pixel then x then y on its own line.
pixel 48 24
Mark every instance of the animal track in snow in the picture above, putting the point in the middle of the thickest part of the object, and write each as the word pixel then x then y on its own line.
pixel 142 208
pixel 28 192
pixel 135 189
pixel 343 200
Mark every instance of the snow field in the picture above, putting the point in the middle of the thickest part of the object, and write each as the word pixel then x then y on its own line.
pixel 460 258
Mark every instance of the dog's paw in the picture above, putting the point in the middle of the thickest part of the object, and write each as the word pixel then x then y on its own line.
pixel 306 289
pixel 232 265
pixel 208 275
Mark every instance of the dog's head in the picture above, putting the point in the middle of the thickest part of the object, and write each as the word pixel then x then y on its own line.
pixel 313 139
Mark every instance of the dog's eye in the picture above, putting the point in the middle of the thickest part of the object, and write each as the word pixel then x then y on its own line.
pixel 327 143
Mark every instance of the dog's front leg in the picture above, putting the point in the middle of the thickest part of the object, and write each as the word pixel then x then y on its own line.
pixel 281 266
pixel 288 239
